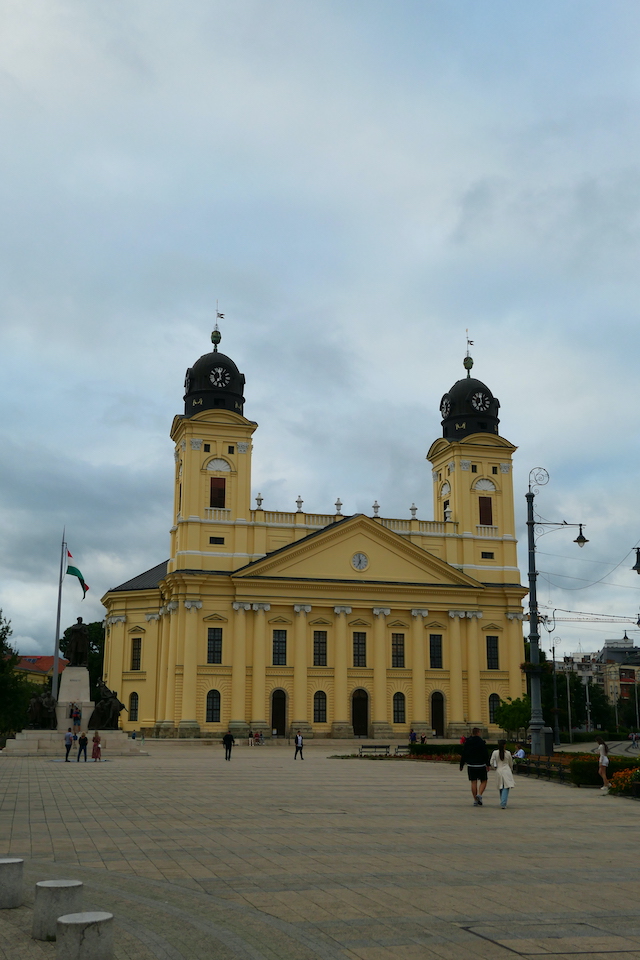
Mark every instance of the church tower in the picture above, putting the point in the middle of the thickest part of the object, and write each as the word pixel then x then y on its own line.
pixel 472 479
pixel 212 454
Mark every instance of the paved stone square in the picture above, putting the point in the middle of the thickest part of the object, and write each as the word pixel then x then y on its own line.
pixel 265 857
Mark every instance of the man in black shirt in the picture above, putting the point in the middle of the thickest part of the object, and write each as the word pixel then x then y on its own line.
pixel 476 757
pixel 228 743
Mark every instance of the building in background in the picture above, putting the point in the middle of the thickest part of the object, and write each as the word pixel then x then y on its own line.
pixel 335 625
pixel 39 669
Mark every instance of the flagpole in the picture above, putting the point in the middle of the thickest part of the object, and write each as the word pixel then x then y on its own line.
pixel 56 655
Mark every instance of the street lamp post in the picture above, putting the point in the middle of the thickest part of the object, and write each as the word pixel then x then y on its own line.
pixel 615 702
pixel 538 477
pixel 556 722
pixel 569 707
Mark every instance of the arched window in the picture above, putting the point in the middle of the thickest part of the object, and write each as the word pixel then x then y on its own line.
pixel 133 706
pixel 320 707
pixel 494 703
pixel 398 708
pixel 213 706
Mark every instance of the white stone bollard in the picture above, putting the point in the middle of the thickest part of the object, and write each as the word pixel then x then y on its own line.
pixel 85 936
pixel 10 882
pixel 53 899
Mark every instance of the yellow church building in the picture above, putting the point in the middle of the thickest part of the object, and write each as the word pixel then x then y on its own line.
pixel 336 625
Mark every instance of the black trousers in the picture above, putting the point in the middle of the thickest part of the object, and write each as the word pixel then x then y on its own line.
pixel 68 748
pixel 298 751
pixel 227 751
pixel 82 750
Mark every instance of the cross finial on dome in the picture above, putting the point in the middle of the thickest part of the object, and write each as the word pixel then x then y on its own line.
pixel 216 336
pixel 468 360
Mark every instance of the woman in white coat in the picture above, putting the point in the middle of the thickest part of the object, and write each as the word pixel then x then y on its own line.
pixel 502 763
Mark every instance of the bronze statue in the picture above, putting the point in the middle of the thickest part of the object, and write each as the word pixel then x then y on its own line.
pixel 42 712
pixel 49 719
pixel 107 710
pixel 78 649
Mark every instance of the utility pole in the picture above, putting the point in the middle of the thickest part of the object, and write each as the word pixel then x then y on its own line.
pixel 569 707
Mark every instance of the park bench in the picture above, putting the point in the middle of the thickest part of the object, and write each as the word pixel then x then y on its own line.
pixel 375 749
pixel 403 750
pixel 544 766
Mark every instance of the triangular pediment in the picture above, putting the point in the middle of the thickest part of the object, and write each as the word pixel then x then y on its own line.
pixel 359 623
pixel 320 621
pixel 215 616
pixel 491 626
pixel 397 623
pixel 337 552
pixel 279 620
pixel 136 630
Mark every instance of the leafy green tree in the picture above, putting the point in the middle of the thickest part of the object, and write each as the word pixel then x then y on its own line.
pixel 15 688
pixel 96 652
pixel 513 715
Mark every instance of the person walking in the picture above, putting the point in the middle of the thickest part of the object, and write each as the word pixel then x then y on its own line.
pixel 96 752
pixel 68 743
pixel 82 746
pixel 502 763
pixel 476 756
pixel 228 743
pixel 298 742
pixel 603 763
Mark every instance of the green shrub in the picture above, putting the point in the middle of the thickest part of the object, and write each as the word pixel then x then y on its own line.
pixel 584 769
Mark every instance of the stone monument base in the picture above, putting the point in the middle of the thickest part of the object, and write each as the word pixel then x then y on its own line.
pixel 50 743
pixel 74 688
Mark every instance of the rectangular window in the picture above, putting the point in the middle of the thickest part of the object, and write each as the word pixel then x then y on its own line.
pixel 207 448
pixel 216 496
pixel 486 511
pixel 474 468
pixel 279 648
pixel 216 539
pixel 486 555
pixel 493 660
pixel 320 707
pixel 494 470
pixel 397 649
pixel 231 449
pixel 359 649
pixel 320 648
pixel 214 645
pixel 435 651
pixel 136 653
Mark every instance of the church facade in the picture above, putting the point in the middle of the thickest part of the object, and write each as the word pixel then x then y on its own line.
pixel 334 625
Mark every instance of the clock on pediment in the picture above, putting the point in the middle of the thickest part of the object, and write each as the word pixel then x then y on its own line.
pixel 360 561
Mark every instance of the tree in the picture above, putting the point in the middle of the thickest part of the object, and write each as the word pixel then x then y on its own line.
pixel 96 652
pixel 513 715
pixel 15 689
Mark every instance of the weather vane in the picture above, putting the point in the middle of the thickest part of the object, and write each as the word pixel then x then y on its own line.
pixel 468 361
pixel 216 336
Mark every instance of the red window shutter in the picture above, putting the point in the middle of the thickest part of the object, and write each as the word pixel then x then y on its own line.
pixel 486 511
pixel 216 498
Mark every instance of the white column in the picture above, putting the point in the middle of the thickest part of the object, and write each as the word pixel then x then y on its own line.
pixel 259 669
pixel 238 723
pixel 300 670
pixel 341 728
pixel 188 723
pixel 380 725
pixel 418 666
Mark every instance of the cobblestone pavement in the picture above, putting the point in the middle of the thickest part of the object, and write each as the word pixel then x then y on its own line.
pixel 265 857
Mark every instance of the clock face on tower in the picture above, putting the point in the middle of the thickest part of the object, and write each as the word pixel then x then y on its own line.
pixel 480 402
pixel 360 561
pixel 445 407
pixel 220 377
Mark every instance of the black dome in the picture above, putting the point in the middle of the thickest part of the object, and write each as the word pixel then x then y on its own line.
pixel 469 407
pixel 213 382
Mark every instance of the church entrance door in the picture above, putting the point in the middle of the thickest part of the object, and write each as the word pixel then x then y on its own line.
pixel 279 713
pixel 360 713
pixel 437 713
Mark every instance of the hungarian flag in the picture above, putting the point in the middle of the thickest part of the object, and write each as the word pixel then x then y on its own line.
pixel 74 572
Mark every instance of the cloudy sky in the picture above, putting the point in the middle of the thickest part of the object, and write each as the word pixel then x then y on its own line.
pixel 357 182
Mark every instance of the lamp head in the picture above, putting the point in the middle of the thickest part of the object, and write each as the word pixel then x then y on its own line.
pixel 581 539
pixel 636 565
